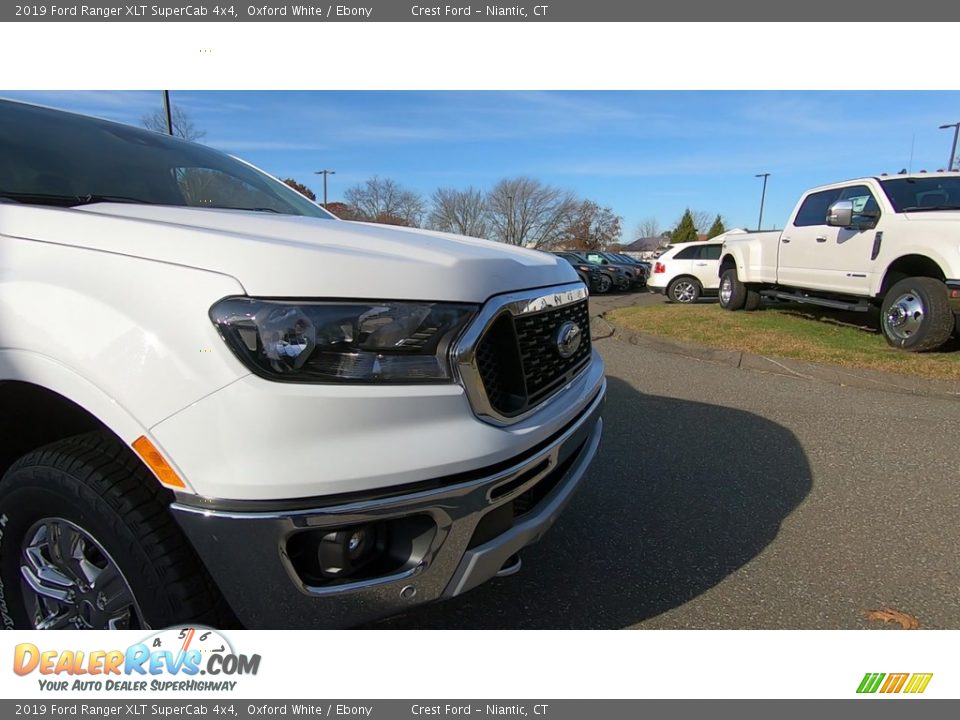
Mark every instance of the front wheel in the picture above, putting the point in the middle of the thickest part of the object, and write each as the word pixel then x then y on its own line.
pixel 88 542
pixel 604 284
pixel 916 315
pixel 684 290
pixel 733 293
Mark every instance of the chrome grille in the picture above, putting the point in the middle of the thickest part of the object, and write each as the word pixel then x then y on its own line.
pixel 518 361
pixel 544 371
pixel 509 359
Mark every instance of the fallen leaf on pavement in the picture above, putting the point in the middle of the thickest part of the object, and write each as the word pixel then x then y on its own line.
pixel 889 615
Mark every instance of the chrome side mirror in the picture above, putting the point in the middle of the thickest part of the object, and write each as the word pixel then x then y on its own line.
pixel 840 214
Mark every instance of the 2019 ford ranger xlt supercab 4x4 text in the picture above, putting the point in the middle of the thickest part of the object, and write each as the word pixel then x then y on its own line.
pixel 224 405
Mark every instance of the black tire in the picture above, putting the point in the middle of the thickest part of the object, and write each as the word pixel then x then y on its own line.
pixel 685 290
pixel 915 314
pixel 733 293
pixel 752 301
pixel 604 284
pixel 92 484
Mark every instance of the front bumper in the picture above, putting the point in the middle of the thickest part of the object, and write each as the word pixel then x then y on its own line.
pixel 473 524
pixel 953 295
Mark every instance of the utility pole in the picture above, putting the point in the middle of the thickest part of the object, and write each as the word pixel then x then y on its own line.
pixel 325 173
pixel 953 150
pixel 167 111
pixel 763 197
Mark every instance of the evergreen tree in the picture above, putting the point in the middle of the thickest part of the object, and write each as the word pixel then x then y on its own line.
pixel 685 230
pixel 718 228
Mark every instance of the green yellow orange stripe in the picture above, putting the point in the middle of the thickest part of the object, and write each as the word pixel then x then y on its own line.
pixel 918 682
pixel 870 682
pixel 893 683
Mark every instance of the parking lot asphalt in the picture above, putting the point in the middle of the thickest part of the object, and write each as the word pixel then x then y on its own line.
pixel 724 497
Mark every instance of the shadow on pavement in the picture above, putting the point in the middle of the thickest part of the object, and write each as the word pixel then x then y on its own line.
pixel 681 495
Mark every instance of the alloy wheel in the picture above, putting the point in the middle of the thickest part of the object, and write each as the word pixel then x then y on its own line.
pixel 684 291
pixel 69 581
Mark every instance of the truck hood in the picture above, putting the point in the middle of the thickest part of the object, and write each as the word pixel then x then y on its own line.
pixel 286 256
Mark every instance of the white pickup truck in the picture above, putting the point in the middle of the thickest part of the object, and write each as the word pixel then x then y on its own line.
pixel 888 241
pixel 223 405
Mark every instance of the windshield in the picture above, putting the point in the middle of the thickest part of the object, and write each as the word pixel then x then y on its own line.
pixel 50 157
pixel 914 194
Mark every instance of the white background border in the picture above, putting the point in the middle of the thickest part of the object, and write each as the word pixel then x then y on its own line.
pixel 518 664
pixel 460 56
pixel 532 664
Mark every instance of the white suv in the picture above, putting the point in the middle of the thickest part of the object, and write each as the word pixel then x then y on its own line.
pixel 687 271
pixel 222 404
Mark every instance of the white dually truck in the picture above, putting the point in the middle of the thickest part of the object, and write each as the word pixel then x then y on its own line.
pixel 887 242
pixel 223 405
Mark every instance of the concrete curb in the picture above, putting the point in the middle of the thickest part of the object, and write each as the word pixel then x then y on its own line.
pixel 833 374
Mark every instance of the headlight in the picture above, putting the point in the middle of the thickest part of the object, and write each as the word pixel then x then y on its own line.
pixel 355 342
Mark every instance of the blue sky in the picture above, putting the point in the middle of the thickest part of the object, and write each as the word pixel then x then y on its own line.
pixel 643 153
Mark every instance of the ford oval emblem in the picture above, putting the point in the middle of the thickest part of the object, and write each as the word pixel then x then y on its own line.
pixel 567 339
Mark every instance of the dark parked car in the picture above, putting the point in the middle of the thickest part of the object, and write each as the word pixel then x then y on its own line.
pixel 642 268
pixel 634 275
pixel 622 276
pixel 594 276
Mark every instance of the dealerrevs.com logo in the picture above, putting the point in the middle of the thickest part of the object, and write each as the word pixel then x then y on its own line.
pixel 171 660
pixel 910 683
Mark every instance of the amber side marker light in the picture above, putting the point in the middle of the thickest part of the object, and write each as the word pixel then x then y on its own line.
pixel 155 461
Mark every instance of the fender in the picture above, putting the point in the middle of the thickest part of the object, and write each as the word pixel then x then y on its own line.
pixel 755 255
pixel 914 250
pixel 46 372
pixel 137 329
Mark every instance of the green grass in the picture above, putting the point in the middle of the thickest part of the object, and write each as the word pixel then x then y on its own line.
pixel 790 331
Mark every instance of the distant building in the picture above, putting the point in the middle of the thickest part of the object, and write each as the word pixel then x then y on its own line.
pixel 647 244
pixel 646 248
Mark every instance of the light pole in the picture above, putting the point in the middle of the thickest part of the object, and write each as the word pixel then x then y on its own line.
pixel 763 197
pixel 953 150
pixel 325 173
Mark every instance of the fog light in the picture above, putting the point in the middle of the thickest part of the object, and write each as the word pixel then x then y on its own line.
pixel 343 552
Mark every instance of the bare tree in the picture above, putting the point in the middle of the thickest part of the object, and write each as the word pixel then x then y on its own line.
pixel 648 228
pixel 382 200
pixel 524 211
pixel 592 227
pixel 702 220
pixel 183 126
pixel 459 211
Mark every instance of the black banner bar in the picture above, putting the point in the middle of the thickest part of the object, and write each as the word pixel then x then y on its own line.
pixel 465 11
